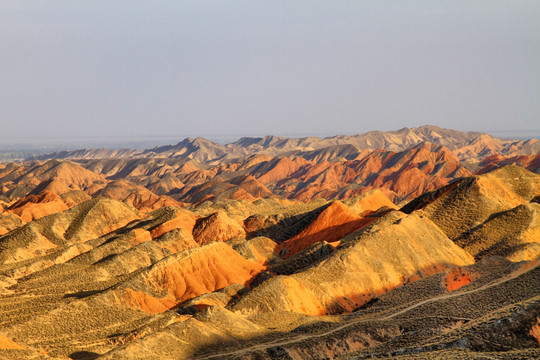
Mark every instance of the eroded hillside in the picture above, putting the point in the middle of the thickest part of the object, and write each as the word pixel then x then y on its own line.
pixel 271 256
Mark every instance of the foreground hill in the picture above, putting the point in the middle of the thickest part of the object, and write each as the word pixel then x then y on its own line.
pixel 452 274
pixel 421 320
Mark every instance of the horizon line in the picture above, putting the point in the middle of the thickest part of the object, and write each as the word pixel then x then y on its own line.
pixel 240 135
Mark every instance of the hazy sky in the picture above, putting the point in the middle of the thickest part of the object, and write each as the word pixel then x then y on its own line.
pixel 137 68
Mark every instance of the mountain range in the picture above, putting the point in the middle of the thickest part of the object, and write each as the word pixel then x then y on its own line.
pixel 465 145
pixel 413 244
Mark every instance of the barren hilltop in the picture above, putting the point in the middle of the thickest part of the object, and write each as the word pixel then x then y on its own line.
pixel 420 243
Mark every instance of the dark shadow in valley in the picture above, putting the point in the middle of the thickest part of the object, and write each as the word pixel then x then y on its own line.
pixel 427 198
pixel 82 294
pixel 84 355
pixel 310 256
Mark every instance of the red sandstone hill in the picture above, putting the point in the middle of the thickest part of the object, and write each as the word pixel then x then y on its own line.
pixel 55 185
pixel 404 164
pixel 136 195
pixel 33 207
pixel 401 175
pixel 67 172
pixel 331 225
pixel 529 162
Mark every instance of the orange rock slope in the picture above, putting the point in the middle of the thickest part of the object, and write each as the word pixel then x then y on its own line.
pixel 331 225
pixel 185 275
pixel 217 227
pixel 33 207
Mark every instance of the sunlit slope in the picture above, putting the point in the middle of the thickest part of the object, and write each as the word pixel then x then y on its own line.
pixel 398 249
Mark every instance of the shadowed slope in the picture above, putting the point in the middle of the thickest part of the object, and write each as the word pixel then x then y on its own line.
pixel 513 233
pixel 9 222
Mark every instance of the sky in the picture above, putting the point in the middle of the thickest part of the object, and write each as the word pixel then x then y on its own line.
pixel 75 69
